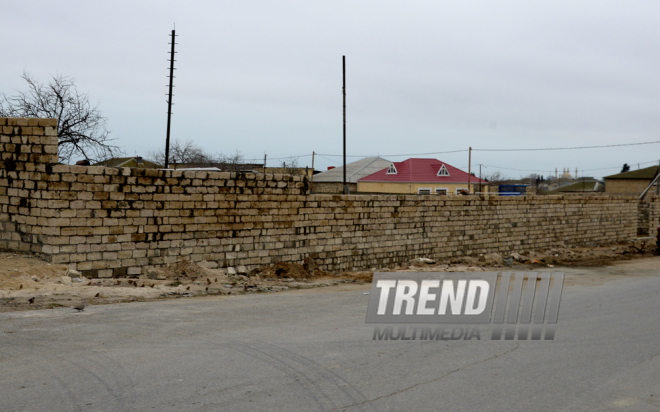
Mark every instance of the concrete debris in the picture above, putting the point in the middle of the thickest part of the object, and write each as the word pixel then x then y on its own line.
pixel 421 261
pixel 282 270
pixel 242 270
pixel 184 268
pixel 492 259
pixel 279 288
pixel 231 271
pixel 72 273
pixel 208 265
pixel 155 274
pixel 185 278
pixel 466 260
pixel 520 258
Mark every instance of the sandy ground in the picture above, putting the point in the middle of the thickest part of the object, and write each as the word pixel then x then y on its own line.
pixel 26 282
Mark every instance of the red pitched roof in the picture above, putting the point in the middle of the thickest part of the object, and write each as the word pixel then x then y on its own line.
pixel 421 171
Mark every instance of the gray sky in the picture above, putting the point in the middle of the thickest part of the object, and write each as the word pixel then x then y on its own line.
pixel 422 76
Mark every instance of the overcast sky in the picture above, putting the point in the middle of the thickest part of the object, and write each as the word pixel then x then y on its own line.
pixel 422 76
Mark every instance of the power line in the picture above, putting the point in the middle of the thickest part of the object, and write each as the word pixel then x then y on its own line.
pixel 616 167
pixel 517 170
pixel 327 158
pixel 566 148
pixel 326 155
pixel 281 158
pixel 395 155
pixel 493 150
pixel 584 170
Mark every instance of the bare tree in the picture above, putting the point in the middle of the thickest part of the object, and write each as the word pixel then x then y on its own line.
pixel 182 152
pixel 291 167
pixel 495 177
pixel 189 153
pixel 81 127
pixel 232 162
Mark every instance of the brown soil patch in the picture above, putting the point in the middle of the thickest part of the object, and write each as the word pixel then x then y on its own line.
pixel 183 269
pixel 27 282
pixel 280 270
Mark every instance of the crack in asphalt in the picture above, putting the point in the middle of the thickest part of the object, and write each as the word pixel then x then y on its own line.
pixel 427 382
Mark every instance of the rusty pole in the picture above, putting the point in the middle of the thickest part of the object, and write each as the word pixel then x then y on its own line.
pixel 169 103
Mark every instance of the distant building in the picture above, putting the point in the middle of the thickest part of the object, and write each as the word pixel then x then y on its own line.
pixel 420 176
pixel 583 184
pixel 136 161
pixel 332 181
pixel 566 176
pixel 630 183
pixel 296 171
pixel 225 167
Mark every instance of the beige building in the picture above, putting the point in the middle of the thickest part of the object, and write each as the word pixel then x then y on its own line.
pixel 136 161
pixel 332 180
pixel 630 183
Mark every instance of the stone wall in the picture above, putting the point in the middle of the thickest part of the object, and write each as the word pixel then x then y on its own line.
pixel 643 219
pixel 119 221
pixel 332 187
pixel 653 214
pixel 632 187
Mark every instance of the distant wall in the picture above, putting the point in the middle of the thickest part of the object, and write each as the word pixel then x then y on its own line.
pixel 117 221
pixel 332 187
pixel 653 214
pixel 626 186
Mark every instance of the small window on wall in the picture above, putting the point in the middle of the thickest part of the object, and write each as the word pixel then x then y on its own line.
pixel 460 190
pixel 423 191
pixel 441 191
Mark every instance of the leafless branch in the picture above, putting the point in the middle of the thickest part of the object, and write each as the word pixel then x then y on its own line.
pixel 81 130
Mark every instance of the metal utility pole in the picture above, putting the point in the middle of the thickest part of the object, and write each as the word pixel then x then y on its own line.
pixel 469 169
pixel 264 163
pixel 343 90
pixel 311 185
pixel 169 102
pixel 481 185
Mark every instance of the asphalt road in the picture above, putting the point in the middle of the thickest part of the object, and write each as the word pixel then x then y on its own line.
pixel 312 351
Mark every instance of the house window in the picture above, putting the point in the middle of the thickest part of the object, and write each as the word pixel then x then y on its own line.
pixel 461 189
pixel 441 191
pixel 443 171
pixel 391 170
pixel 424 191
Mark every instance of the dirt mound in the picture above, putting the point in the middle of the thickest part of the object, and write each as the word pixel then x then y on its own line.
pixel 27 270
pixel 307 270
pixel 282 270
pixel 183 269
pixel 360 277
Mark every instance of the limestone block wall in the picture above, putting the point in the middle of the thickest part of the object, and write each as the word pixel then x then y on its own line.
pixel 332 187
pixel 120 221
pixel 653 214
pixel 28 148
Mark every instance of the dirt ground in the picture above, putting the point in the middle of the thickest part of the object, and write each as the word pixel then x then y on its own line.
pixel 26 282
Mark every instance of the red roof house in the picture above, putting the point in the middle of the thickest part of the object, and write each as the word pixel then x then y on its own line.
pixel 421 176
